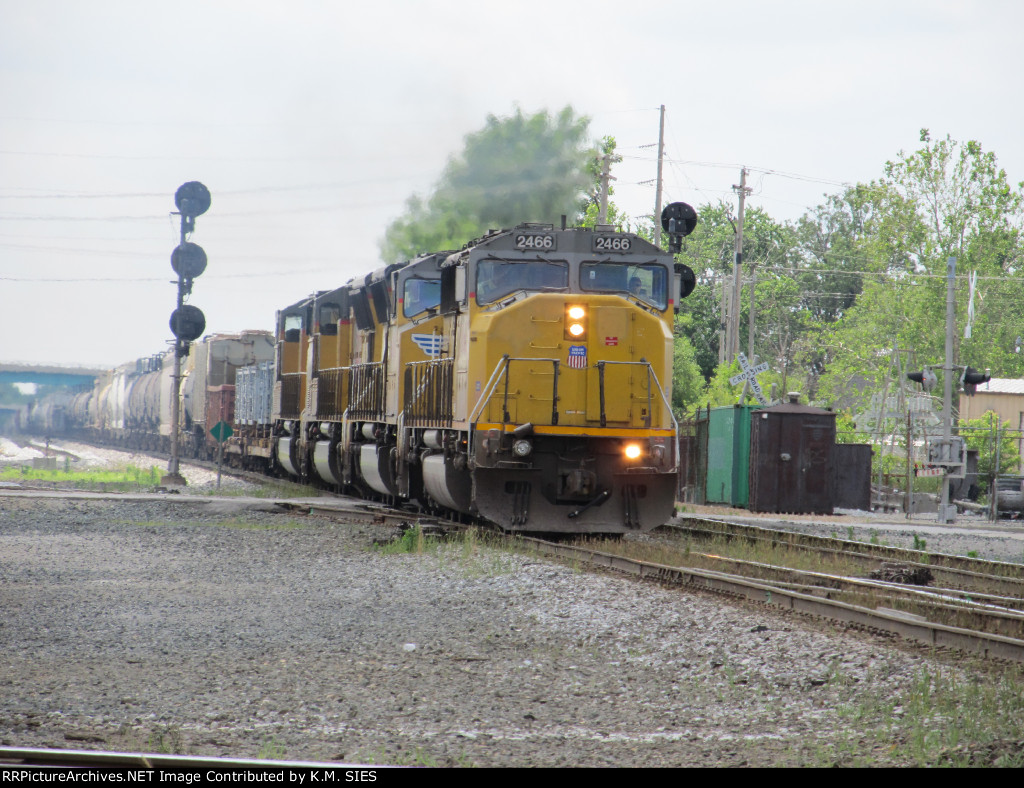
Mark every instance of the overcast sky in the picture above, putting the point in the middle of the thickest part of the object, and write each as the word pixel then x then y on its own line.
pixel 312 122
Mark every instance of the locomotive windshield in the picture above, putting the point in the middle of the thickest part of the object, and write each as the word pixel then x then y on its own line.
pixel 293 325
pixel 420 295
pixel 647 282
pixel 497 278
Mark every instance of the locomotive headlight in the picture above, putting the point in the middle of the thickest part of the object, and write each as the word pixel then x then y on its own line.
pixel 575 327
pixel 522 448
pixel 632 451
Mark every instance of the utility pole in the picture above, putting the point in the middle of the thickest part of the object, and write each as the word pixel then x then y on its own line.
pixel 750 313
pixel 723 329
pixel 606 176
pixel 661 161
pixel 947 513
pixel 733 332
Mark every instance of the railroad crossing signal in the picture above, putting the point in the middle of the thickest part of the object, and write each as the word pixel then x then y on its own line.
pixel 188 260
pixel 749 375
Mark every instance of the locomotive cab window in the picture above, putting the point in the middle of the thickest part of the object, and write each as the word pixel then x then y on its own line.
pixel 328 318
pixel 498 278
pixel 419 295
pixel 647 282
pixel 292 328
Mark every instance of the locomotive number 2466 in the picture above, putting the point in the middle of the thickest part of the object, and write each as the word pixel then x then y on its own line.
pixel 527 241
pixel 611 243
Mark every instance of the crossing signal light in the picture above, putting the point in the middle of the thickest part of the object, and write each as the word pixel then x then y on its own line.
pixel 925 377
pixel 972 378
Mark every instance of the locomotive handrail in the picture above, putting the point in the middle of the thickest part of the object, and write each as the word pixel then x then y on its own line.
pixel 651 375
pixel 492 383
pixel 503 365
pixel 423 384
pixel 366 390
pixel 650 372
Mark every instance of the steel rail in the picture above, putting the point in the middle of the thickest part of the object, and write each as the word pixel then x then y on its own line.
pixel 1006 620
pixel 37 757
pixel 906 625
pixel 971 581
pixel 998 575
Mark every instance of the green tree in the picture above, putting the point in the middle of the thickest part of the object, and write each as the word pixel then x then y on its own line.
pixel 590 207
pixel 687 381
pixel 945 199
pixel 522 168
pixel 719 391
pixel 768 247
pixel 980 435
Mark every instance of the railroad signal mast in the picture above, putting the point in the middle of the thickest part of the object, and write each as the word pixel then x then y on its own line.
pixel 187 322
pixel 950 452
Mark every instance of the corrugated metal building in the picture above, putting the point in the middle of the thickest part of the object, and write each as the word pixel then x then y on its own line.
pixel 723 451
pixel 1005 396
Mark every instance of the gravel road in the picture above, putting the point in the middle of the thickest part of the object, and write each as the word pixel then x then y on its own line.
pixel 225 627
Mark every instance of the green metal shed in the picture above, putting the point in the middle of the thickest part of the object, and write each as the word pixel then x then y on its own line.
pixel 723 435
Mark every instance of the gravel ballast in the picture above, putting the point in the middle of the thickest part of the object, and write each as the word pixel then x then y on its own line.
pixel 227 627
pixel 224 630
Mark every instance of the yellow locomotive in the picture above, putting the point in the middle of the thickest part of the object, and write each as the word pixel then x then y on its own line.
pixel 524 379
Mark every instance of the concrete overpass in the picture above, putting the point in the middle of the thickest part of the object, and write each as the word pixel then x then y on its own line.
pixel 48 374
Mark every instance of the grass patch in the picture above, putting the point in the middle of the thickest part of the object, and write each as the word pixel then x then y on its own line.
pixel 129 478
pixel 271 488
pixel 942 718
pixel 415 757
pixel 472 552
pixel 712 552
pixel 162 739
pixel 272 750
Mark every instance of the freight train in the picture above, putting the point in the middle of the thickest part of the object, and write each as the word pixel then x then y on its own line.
pixel 524 379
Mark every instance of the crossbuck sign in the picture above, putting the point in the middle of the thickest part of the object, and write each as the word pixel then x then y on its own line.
pixel 749 375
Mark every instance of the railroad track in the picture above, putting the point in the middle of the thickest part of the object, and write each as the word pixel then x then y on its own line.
pixel 955 571
pixel 990 625
pixel 14 757
pixel 979 607
pixel 880 618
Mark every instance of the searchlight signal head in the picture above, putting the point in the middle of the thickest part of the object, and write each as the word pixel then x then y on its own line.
pixel 925 377
pixel 972 378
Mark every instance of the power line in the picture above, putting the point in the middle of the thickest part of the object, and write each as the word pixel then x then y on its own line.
pixel 59 280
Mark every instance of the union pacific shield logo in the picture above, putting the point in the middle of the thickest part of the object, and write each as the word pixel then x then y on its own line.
pixel 429 343
pixel 577 356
